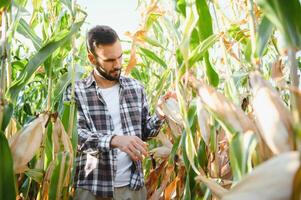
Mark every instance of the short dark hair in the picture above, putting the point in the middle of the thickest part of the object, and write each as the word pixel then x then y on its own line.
pixel 100 35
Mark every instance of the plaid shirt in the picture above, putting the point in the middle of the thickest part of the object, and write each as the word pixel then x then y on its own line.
pixel 96 160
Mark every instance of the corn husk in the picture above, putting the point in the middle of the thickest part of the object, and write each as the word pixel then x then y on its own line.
pixel 271 180
pixel 62 142
pixel 60 138
pixel 11 128
pixel 277 73
pixel 232 115
pixel 272 117
pixel 176 129
pixel 164 150
pixel 26 142
pixel 171 109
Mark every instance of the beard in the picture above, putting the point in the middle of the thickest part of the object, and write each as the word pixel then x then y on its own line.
pixel 108 75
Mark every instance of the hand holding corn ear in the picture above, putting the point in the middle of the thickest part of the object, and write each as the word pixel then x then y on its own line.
pixel 162 100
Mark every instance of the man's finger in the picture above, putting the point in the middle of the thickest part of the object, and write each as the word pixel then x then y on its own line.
pixel 130 153
pixel 135 152
pixel 139 141
pixel 142 149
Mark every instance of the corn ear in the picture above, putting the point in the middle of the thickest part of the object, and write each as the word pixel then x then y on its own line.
pixel 164 150
pixel 272 117
pixel 271 180
pixel 233 117
pixel 171 109
pixel 26 142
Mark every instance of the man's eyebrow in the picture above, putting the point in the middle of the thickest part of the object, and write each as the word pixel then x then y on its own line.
pixel 112 59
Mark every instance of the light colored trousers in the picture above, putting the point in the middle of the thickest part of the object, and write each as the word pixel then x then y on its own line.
pixel 121 193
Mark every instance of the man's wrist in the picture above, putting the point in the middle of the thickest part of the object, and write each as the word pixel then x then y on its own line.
pixel 114 142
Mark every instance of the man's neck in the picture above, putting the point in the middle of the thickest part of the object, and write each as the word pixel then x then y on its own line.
pixel 102 82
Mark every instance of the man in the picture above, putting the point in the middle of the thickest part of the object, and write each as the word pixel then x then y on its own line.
pixel 113 122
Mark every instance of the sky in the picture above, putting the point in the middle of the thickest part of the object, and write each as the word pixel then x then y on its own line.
pixel 121 15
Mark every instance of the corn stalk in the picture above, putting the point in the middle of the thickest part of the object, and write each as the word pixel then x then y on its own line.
pixel 3 64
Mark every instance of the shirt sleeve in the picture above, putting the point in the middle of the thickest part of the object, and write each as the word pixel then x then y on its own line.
pixel 88 140
pixel 150 124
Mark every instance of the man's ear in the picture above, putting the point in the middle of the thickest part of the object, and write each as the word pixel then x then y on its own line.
pixel 91 58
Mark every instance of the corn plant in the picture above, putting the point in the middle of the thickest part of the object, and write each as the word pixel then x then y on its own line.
pixel 233 131
pixel 34 74
pixel 236 118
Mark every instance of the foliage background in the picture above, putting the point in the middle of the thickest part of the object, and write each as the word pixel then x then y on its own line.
pixel 234 66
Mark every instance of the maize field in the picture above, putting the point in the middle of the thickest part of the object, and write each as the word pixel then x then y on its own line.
pixel 233 131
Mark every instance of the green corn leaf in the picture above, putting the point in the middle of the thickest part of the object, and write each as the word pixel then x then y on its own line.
pixel 285 15
pixel 65 116
pixel 205 31
pixel 35 174
pixel 264 33
pixel 8 110
pixel 160 86
pixel 181 7
pixel 61 85
pixel 4 4
pixel 59 175
pixel 25 30
pixel 241 148
pixel 37 60
pixel 153 56
pixel 7 176
pixel 199 52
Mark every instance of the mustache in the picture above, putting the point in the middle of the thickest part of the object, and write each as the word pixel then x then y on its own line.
pixel 116 70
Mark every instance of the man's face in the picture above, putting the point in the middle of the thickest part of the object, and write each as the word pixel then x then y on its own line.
pixel 107 60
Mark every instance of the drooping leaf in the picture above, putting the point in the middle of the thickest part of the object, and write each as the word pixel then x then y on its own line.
pixel 37 60
pixel 264 33
pixel 285 15
pixel 61 85
pixel 24 29
pixel 148 53
pixel 201 49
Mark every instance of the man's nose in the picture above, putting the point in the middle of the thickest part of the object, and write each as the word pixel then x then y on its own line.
pixel 117 64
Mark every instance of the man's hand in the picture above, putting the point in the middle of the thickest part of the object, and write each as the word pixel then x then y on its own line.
pixel 132 145
pixel 168 95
